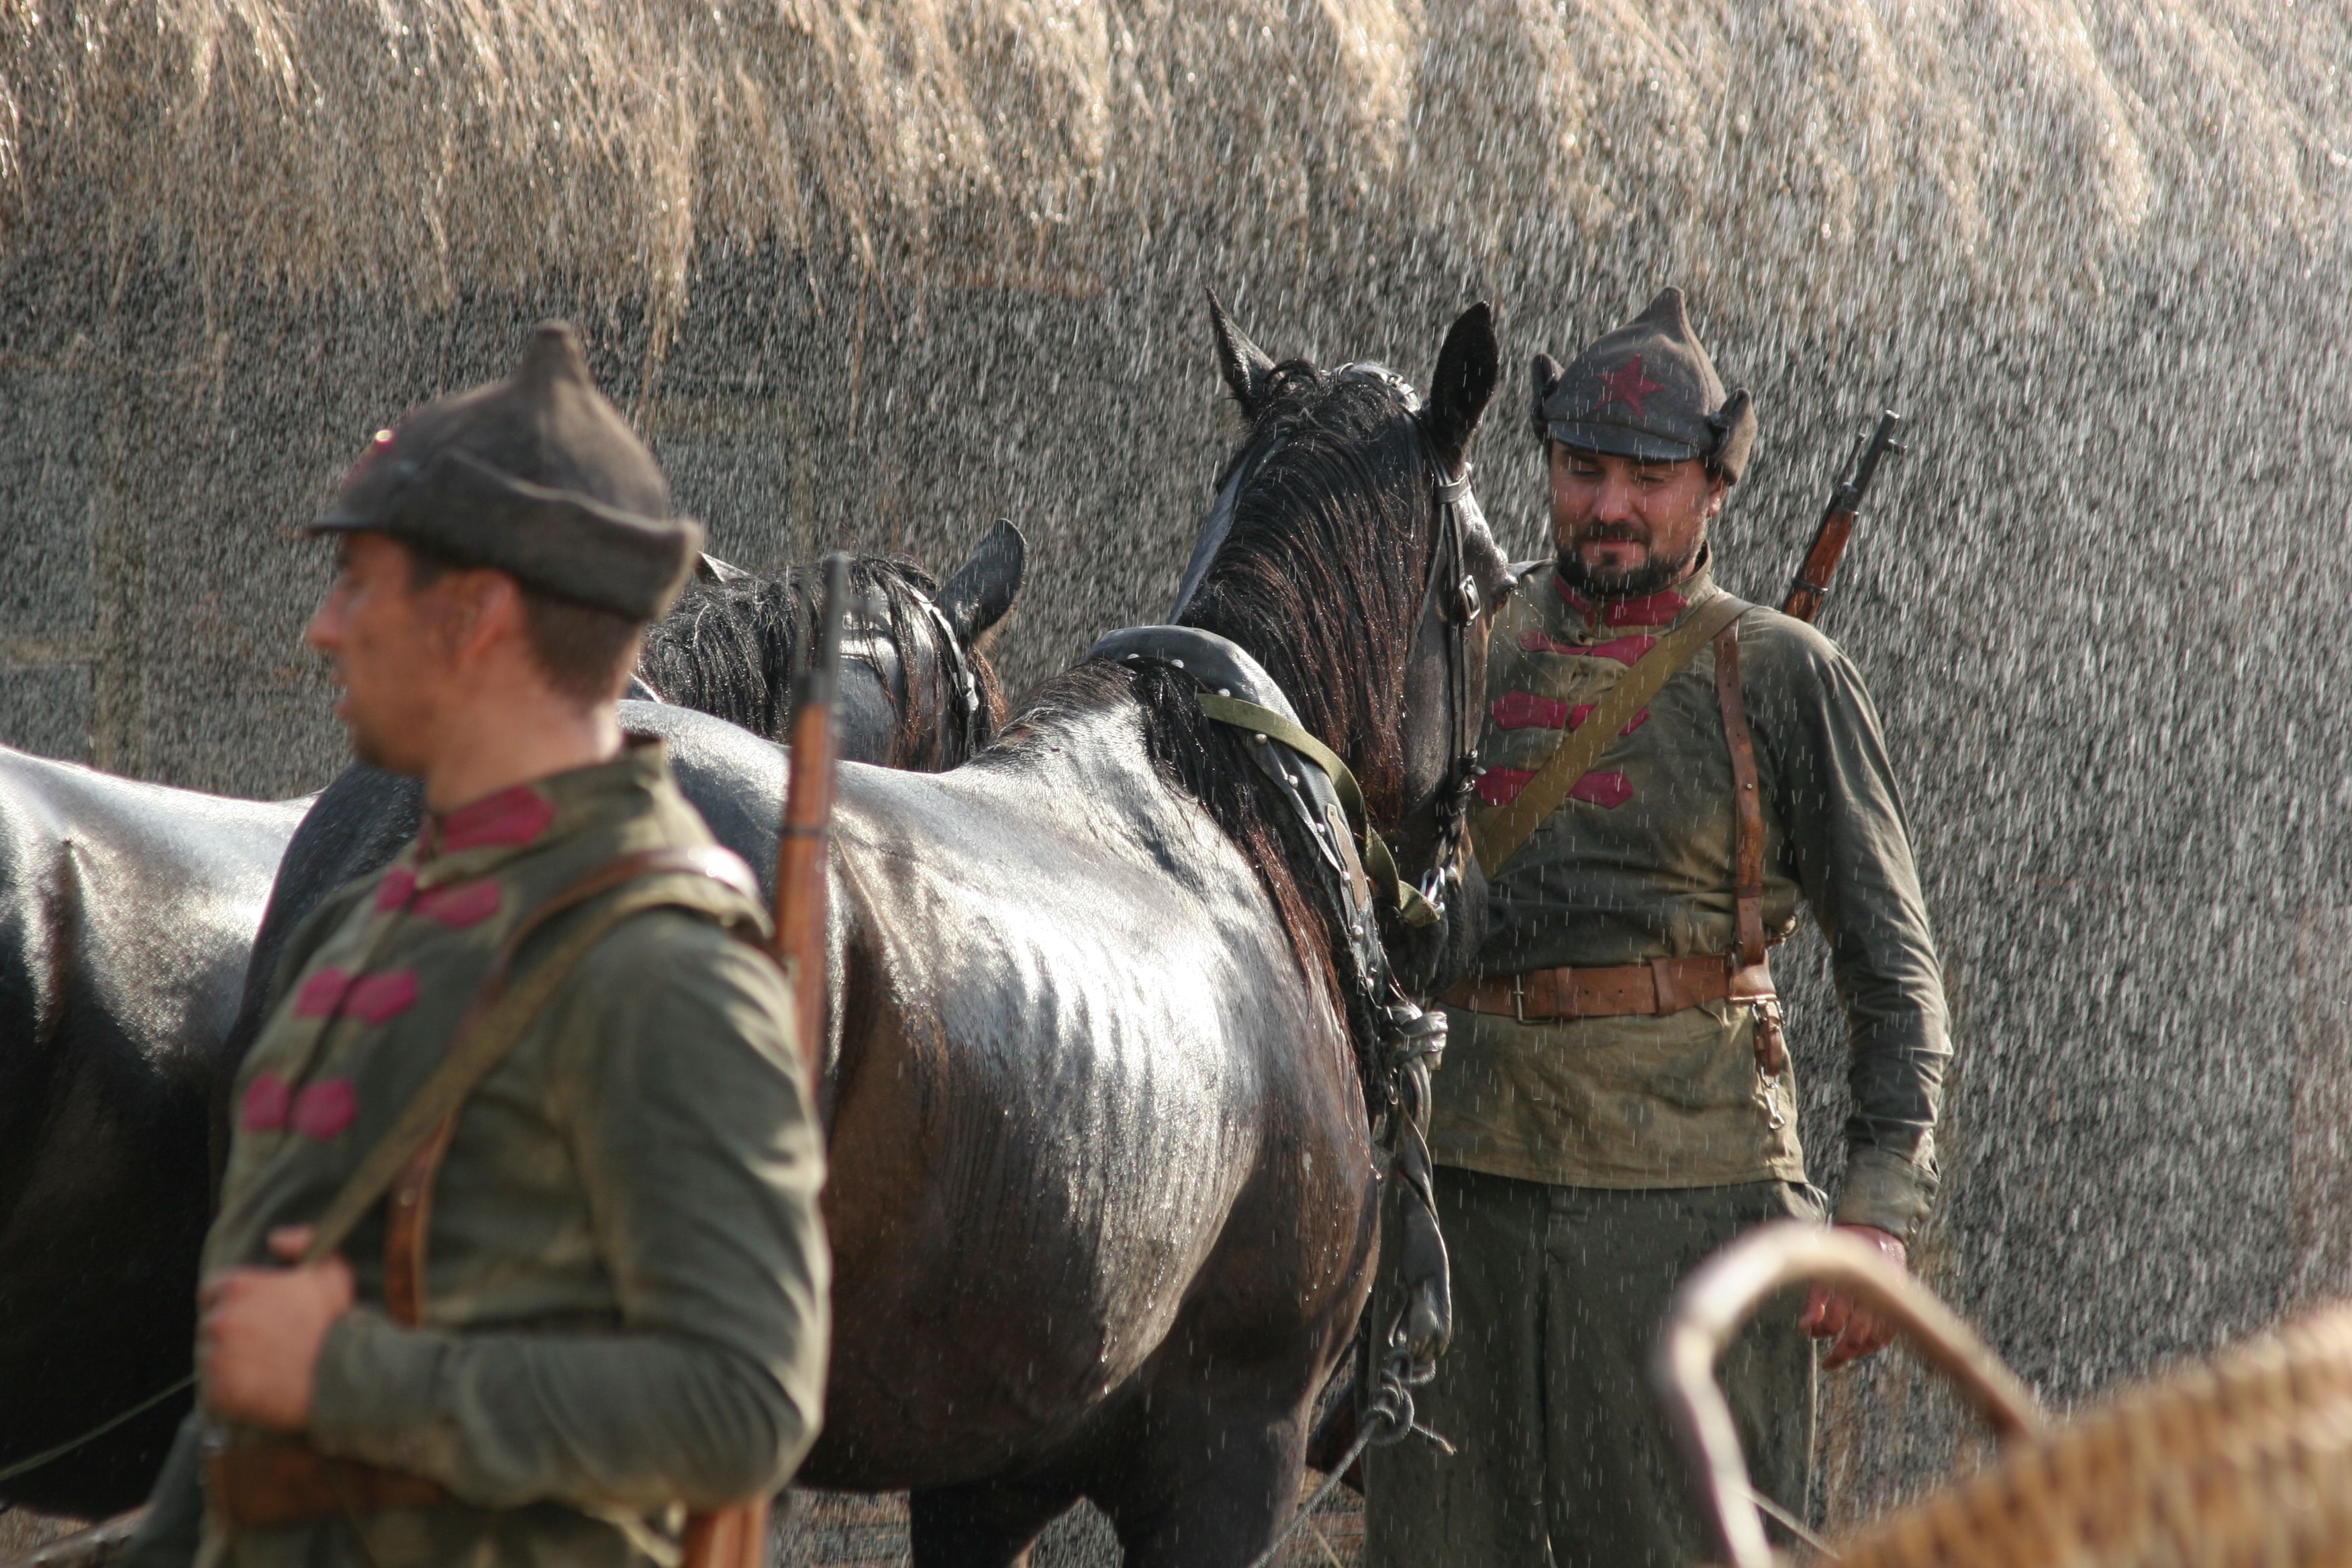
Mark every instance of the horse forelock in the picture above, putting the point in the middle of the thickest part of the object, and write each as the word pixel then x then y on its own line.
pixel 1321 574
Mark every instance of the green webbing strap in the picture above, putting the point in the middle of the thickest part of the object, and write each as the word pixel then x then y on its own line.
pixel 1378 864
pixel 1498 832
pixel 498 1032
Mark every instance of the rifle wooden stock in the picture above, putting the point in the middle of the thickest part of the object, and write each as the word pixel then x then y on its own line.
pixel 803 849
pixel 1812 583
pixel 1830 539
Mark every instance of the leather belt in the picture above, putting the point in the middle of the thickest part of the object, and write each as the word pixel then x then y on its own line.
pixel 1615 991
pixel 277 1483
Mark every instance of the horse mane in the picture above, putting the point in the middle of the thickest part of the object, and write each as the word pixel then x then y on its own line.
pixel 731 649
pixel 1320 578
pixel 1321 574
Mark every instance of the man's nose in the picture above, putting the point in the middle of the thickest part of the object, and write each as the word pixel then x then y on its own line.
pixel 1615 501
pixel 323 634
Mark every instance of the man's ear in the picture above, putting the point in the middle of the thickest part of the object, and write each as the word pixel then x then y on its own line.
pixel 475 612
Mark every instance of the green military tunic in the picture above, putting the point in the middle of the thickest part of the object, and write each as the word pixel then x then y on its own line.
pixel 1637 864
pixel 1591 1165
pixel 624 1291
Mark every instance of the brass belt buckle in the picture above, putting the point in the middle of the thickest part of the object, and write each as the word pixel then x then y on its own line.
pixel 1519 995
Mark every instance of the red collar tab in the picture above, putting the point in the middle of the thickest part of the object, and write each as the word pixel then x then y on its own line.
pixel 508 819
pixel 1659 609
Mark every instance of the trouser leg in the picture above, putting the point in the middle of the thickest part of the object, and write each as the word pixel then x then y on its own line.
pixel 1616 1490
pixel 1483 1505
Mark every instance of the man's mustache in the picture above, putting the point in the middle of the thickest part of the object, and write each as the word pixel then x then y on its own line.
pixel 1611 533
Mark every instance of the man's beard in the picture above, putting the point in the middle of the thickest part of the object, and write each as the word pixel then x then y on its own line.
pixel 1655 575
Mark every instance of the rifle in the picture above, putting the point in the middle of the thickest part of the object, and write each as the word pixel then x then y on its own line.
pixel 1813 582
pixel 801 849
pixel 737 1537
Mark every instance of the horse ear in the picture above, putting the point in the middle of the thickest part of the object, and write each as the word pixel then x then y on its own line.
pixel 1466 368
pixel 708 568
pixel 983 588
pixel 1245 364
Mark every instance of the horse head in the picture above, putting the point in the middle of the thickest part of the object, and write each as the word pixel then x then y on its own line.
pixel 1346 552
pixel 917 690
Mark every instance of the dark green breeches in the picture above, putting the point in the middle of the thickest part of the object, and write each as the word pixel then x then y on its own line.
pixel 1561 1457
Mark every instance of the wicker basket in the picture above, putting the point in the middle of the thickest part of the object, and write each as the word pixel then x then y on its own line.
pixel 2244 1462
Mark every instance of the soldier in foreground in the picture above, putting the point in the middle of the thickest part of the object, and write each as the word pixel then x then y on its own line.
pixel 594 1298
pixel 1616 1101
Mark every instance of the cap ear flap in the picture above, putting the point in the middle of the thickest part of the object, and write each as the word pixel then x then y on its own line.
pixel 1735 434
pixel 1545 373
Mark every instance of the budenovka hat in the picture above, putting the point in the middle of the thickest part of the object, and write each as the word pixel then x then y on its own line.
pixel 537 475
pixel 1646 390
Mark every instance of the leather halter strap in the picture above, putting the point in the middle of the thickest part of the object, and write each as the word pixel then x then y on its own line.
pixel 1748 855
pixel 964 681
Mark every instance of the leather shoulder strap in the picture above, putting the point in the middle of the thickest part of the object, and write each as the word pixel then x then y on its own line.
pixel 702 877
pixel 1498 832
pixel 1748 853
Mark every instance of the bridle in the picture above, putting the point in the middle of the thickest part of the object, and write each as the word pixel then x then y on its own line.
pixel 1447 586
pixel 964 680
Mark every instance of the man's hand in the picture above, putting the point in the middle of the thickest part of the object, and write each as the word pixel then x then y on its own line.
pixel 262 1328
pixel 1833 1315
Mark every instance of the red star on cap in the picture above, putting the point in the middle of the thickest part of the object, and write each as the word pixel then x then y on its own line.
pixel 1626 385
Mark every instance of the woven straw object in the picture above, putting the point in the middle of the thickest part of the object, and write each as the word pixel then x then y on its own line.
pixel 2241 1462
pixel 2245 1462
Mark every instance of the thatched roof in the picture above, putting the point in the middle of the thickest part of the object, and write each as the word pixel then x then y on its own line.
pixel 421 146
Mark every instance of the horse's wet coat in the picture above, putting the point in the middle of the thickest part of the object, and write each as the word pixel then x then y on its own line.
pixel 127 911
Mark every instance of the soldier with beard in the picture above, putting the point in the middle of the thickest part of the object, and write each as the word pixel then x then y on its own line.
pixel 1616 1101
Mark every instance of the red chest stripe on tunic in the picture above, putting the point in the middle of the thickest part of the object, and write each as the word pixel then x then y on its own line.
pixel 463 905
pixel 398 883
pixel 324 1110
pixel 1624 650
pixel 508 819
pixel 265 1100
pixel 322 994
pixel 1500 786
pixel 1525 710
pixel 380 998
pixel 1608 791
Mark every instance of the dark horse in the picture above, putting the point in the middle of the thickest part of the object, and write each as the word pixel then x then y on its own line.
pixel 127 911
pixel 1104 1199
pixel 128 933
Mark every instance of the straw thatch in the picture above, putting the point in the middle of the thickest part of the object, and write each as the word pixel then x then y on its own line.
pixel 419 147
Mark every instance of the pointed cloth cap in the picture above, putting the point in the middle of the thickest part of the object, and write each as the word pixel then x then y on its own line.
pixel 1646 390
pixel 537 475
